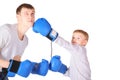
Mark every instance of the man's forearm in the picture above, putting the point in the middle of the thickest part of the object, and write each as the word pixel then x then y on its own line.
pixel 4 63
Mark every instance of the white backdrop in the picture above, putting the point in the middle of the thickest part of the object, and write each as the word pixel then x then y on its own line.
pixel 100 18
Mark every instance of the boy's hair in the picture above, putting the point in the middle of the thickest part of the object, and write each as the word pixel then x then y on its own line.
pixel 24 5
pixel 83 32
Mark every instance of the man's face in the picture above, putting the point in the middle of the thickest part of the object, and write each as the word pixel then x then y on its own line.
pixel 26 17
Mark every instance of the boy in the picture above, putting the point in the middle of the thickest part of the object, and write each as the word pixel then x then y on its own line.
pixel 79 66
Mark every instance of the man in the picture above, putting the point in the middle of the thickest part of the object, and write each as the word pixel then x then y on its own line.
pixel 13 41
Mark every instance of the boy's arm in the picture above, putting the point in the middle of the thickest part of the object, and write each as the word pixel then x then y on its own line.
pixel 63 43
pixel 43 27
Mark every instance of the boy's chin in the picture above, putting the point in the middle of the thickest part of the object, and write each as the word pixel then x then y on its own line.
pixel 74 43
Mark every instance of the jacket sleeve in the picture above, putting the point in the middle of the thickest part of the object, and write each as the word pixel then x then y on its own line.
pixel 63 43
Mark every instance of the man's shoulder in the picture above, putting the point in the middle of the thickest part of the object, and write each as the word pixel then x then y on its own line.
pixel 6 27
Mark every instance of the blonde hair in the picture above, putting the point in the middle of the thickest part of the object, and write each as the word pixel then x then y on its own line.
pixel 83 32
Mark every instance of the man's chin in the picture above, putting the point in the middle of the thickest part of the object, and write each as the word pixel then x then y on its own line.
pixel 30 25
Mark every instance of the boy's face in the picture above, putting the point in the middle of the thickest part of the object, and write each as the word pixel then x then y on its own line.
pixel 78 38
pixel 26 17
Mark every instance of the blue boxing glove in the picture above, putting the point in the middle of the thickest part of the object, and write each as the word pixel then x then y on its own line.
pixel 56 65
pixel 21 68
pixel 43 27
pixel 11 74
pixel 40 68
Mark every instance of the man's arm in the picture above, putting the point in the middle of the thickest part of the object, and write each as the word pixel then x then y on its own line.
pixel 4 63
pixel 17 58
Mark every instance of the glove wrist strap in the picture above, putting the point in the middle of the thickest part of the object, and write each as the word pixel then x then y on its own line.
pixel 52 35
pixel 14 66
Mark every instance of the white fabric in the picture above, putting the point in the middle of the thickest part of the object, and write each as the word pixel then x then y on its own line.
pixel 79 66
pixel 10 44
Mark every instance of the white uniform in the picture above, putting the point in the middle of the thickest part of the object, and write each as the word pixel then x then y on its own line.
pixel 10 44
pixel 79 66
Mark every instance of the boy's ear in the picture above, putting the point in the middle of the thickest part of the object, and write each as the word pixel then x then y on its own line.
pixel 84 42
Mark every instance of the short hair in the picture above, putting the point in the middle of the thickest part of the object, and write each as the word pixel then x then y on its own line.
pixel 24 5
pixel 83 32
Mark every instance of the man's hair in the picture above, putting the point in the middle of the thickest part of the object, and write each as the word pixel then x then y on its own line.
pixel 83 32
pixel 24 5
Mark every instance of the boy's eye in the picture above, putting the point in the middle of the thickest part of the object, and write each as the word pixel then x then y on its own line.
pixel 79 38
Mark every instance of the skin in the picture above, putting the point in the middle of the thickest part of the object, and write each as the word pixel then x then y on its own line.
pixel 78 38
pixel 25 20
